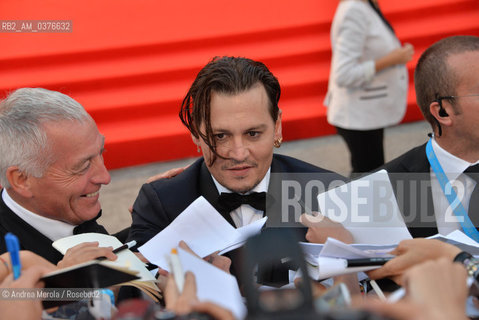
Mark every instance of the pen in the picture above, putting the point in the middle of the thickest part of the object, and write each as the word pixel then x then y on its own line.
pixel 13 248
pixel 125 246
pixel 175 266
pixel 378 290
pixel 364 262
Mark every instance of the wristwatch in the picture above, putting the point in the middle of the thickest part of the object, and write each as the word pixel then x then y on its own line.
pixel 470 263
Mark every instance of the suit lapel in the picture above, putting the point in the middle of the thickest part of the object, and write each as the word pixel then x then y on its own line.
pixel 418 162
pixel 210 192
pixel 273 209
pixel 30 239
pixel 419 215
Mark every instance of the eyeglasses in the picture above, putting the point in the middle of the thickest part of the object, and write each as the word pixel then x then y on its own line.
pixel 439 99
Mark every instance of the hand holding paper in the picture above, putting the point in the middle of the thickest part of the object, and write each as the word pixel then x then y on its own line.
pixel 124 258
pixel 187 301
pixel 223 263
pixel 367 208
pixel 412 252
pixel 320 228
pixel 84 252
pixel 212 284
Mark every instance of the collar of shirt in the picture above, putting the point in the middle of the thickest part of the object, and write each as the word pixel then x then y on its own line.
pixel 452 165
pixel 52 229
pixel 246 214
pixel 261 187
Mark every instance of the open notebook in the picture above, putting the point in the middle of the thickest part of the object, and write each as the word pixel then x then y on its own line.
pixel 126 259
pixel 91 274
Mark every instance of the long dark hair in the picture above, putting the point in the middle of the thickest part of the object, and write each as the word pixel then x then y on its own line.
pixel 226 75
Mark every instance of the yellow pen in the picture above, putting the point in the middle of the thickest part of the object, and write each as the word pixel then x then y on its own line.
pixel 176 269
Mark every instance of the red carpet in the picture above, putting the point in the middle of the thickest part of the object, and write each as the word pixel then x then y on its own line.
pixel 131 62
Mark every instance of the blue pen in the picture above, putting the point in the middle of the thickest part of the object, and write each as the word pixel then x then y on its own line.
pixel 13 248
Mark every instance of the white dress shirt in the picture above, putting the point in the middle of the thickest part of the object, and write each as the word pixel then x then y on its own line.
pixel 246 214
pixel 453 168
pixel 52 229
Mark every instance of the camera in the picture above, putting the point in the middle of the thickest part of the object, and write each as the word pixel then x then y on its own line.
pixel 289 304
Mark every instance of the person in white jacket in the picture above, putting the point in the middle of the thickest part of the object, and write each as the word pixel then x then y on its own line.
pixel 368 80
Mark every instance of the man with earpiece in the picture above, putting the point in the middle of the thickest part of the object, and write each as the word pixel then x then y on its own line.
pixel 435 183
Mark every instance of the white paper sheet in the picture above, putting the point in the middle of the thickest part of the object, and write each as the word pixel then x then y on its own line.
pixel 336 249
pixel 213 284
pixel 245 232
pixel 460 240
pixel 329 260
pixel 367 207
pixel 203 229
pixel 200 225
pixel 459 236
pixel 312 250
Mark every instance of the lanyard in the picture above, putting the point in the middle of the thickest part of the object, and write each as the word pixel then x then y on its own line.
pixel 456 205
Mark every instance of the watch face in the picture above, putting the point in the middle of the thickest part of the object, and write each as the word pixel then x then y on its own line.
pixel 472 266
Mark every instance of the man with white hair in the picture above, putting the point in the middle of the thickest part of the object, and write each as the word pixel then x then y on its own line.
pixel 51 170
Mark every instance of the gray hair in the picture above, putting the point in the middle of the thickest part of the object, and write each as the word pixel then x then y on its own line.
pixel 23 140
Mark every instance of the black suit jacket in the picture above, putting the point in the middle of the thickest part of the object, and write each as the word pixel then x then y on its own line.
pixel 411 180
pixel 161 201
pixel 31 239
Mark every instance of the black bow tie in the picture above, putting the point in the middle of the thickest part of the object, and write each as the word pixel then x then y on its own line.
pixel 231 201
